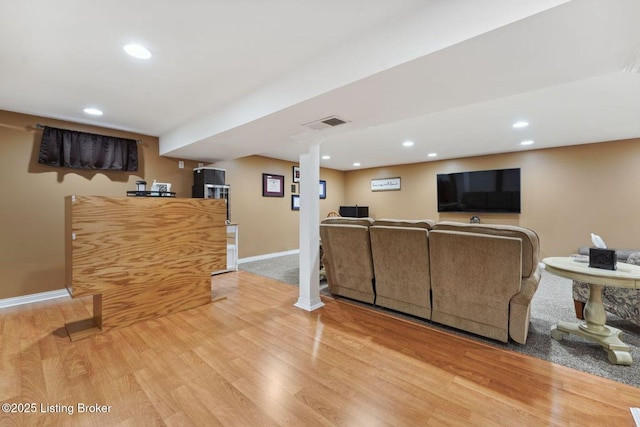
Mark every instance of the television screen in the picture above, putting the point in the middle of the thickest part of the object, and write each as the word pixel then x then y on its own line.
pixel 495 190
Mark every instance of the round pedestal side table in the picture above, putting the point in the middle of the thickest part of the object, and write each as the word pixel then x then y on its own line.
pixel 594 327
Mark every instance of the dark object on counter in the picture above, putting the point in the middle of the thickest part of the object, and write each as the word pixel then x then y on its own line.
pixel 602 258
pixel 151 194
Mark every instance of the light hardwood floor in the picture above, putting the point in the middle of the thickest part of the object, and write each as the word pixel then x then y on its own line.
pixel 253 359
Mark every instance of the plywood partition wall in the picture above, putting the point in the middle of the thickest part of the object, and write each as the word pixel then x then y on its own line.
pixel 141 257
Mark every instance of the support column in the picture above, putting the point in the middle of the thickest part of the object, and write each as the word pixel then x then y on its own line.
pixel 309 296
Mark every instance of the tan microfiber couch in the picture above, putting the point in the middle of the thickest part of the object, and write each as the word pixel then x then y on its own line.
pixel 483 278
pixel 400 251
pixel 347 261
pixel 476 277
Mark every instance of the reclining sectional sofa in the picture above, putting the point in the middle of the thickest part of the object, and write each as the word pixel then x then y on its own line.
pixel 479 278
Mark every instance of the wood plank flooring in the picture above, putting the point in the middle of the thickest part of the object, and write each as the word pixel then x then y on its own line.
pixel 253 359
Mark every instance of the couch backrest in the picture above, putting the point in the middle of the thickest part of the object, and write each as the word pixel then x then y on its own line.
pixel 367 222
pixel 401 265
pixel 417 223
pixel 530 240
pixel 474 277
pixel 347 259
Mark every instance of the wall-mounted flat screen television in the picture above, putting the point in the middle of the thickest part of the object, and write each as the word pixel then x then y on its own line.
pixel 495 190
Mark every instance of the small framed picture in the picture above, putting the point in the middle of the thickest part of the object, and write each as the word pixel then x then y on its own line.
pixel 296 174
pixel 272 185
pixel 323 189
pixel 295 202
pixel 385 184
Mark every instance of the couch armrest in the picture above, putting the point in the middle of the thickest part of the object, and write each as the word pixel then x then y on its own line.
pixel 634 258
pixel 520 308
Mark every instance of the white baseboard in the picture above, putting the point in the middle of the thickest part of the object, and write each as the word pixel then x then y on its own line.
pixel 267 256
pixel 43 296
pixel 28 299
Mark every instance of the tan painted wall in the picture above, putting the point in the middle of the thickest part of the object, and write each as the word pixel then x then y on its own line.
pixel 567 193
pixel 32 203
pixel 267 224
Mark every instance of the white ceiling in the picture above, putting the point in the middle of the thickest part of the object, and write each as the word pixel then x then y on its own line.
pixel 231 78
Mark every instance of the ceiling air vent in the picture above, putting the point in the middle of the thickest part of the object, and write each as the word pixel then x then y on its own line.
pixel 326 123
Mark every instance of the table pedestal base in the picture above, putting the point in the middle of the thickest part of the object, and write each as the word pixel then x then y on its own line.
pixel 609 339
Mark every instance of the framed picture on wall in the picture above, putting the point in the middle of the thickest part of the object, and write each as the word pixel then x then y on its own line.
pixel 385 184
pixel 296 174
pixel 272 185
pixel 323 189
pixel 295 202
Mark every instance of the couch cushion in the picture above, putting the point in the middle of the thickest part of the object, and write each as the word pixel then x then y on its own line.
pixel 530 240
pixel 417 223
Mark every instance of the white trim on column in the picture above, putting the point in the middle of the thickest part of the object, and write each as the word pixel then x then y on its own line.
pixel 28 299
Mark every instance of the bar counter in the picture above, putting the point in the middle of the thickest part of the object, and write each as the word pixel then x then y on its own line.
pixel 141 257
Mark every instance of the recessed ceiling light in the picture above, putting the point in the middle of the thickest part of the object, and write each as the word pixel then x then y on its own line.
pixel 528 142
pixel 432 154
pixel 520 124
pixel 137 51
pixel 408 143
pixel 93 111
pixel 326 157
pixel 356 164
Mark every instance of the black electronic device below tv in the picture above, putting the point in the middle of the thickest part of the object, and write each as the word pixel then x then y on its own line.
pixel 354 211
pixel 496 190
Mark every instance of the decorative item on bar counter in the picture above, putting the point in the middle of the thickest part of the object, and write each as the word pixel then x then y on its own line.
pixel 600 256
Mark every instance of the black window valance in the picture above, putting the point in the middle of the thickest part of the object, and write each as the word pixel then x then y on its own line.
pixel 82 150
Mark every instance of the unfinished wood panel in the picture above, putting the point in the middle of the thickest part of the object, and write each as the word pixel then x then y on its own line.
pixel 145 257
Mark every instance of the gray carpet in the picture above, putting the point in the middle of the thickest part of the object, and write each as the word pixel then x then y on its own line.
pixel 283 268
pixel 552 302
